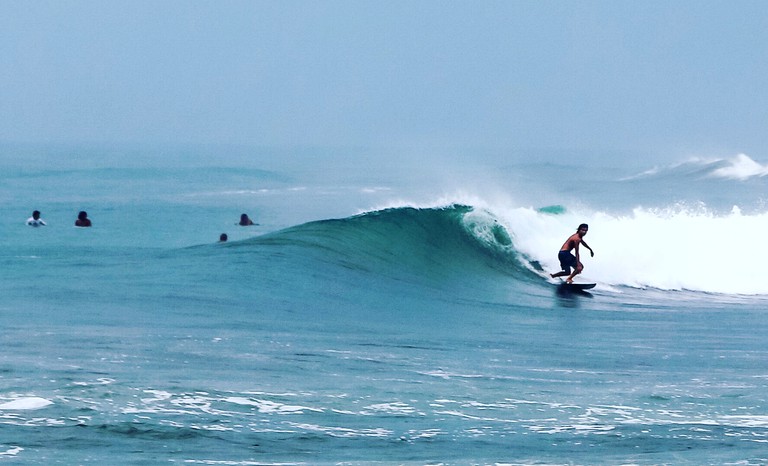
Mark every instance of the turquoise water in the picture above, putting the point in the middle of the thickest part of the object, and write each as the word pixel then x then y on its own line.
pixel 375 316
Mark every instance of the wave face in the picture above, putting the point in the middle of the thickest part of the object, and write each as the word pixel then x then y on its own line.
pixel 424 245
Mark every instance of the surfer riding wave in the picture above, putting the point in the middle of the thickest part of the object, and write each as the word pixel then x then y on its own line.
pixel 568 260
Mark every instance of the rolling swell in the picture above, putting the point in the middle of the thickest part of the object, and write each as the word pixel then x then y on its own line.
pixel 434 243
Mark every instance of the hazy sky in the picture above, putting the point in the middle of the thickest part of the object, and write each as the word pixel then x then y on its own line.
pixel 659 77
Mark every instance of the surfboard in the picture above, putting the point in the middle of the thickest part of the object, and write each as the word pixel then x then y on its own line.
pixel 578 286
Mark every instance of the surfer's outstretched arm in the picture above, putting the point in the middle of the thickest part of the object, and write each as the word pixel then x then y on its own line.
pixel 587 246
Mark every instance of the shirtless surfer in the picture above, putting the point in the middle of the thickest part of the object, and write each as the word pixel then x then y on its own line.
pixel 568 260
pixel 245 221
pixel 82 219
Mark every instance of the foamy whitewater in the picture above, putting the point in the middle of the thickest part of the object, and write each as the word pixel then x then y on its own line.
pixel 385 309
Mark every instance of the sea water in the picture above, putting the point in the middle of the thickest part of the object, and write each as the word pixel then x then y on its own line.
pixel 386 309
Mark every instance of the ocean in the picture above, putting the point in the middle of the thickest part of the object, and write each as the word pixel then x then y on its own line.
pixel 387 308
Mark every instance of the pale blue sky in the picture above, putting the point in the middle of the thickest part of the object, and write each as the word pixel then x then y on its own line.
pixel 663 78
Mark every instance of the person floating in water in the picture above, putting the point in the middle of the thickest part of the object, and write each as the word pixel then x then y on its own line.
pixel 223 238
pixel 82 219
pixel 568 260
pixel 245 221
pixel 35 220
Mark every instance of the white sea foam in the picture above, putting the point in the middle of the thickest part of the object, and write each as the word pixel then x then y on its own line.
pixel 101 381
pixel 395 408
pixel 265 406
pixel 428 434
pixel 448 375
pixel 13 451
pixel 26 403
pixel 573 429
pixel 345 432
pixel 159 395
pixel 238 463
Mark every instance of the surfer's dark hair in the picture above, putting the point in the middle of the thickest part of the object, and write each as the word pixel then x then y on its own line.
pixel 583 225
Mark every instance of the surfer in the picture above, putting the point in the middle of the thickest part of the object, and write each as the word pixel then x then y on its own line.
pixel 223 238
pixel 35 219
pixel 245 221
pixel 82 219
pixel 568 260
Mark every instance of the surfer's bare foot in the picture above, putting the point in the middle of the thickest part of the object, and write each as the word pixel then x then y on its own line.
pixel 552 275
pixel 569 282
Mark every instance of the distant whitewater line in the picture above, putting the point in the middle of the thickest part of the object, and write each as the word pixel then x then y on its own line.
pixel 739 167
